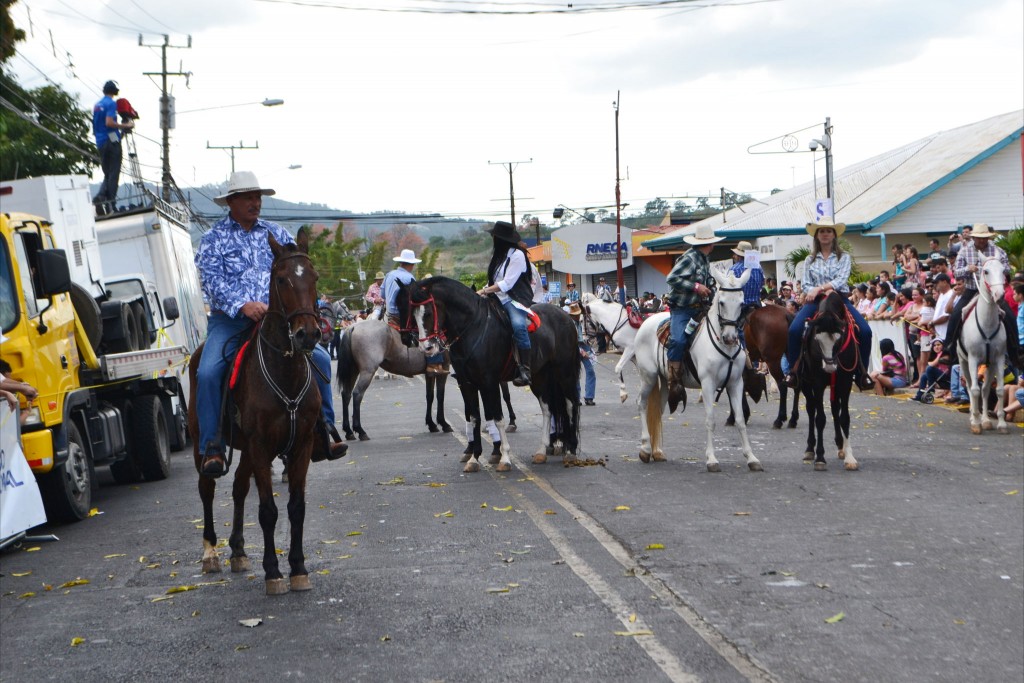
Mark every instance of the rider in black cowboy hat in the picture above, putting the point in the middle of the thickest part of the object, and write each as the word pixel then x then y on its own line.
pixel 508 277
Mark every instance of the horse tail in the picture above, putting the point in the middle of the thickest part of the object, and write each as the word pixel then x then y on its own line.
pixel 564 402
pixel 346 366
pixel 653 415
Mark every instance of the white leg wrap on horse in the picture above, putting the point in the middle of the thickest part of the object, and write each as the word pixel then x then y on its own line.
pixel 469 431
pixel 492 430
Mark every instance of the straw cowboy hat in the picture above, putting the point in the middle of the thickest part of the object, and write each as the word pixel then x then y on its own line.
pixel 983 231
pixel 407 256
pixel 505 232
pixel 705 235
pixel 240 182
pixel 379 275
pixel 826 222
pixel 575 309
pixel 742 248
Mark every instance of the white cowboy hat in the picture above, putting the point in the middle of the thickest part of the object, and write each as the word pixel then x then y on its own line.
pixel 239 182
pixel 407 256
pixel 826 222
pixel 705 235
pixel 742 248
pixel 983 231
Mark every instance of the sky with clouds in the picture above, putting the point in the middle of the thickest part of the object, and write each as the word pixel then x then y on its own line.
pixel 420 111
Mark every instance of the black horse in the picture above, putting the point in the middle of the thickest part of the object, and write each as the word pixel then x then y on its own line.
pixel 828 361
pixel 444 312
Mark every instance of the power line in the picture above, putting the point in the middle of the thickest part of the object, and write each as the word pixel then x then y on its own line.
pixel 17 112
pixel 560 8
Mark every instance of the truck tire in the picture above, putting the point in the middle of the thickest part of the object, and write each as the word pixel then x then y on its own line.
pixel 142 331
pixel 67 490
pixel 127 469
pixel 179 430
pixel 151 439
pixel 120 332
pixel 88 312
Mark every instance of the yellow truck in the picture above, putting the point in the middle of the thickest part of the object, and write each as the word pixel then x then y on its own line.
pixel 94 408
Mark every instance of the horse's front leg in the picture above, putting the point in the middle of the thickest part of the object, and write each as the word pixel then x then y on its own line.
pixel 275 583
pixel 495 422
pixel 819 429
pixel 443 423
pixel 974 391
pixel 207 487
pixel 841 420
pixel 239 491
pixel 507 398
pixel 298 466
pixel 1001 425
pixel 430 383
pixel 346 401
pixel 736 394
pixel 707 392
pixel 809 395
pixel 474 445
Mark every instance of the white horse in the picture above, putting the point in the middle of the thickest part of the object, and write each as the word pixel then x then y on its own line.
pixel 613 318
pixel 983 341
pixel 719 359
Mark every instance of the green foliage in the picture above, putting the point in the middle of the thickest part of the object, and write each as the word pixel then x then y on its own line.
pixel 1013 244
pixel 60 144
pixel 9 34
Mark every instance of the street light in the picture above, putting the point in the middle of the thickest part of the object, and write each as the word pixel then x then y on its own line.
pixel 268 102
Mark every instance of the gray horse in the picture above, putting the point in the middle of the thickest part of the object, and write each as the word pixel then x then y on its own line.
pixel 370 344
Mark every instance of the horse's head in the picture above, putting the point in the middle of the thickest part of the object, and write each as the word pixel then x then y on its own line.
pixel 728 303
pixel 293 292
pixel 420 316
pixel 992 278
pixel 828 329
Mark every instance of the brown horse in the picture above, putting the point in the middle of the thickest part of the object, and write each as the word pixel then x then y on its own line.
pixel 766 333
pixel 277 408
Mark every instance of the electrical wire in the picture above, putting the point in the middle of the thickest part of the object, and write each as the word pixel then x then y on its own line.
pixel 560 8
pixel 17 112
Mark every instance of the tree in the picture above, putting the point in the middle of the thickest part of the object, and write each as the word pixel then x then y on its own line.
pixel 656 207
pixel 1013 244
pixel 9 33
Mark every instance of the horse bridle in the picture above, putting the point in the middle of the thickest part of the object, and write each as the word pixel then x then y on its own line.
pixel 288 317
pixel 849 337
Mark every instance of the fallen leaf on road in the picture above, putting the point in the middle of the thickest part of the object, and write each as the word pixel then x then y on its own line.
pixel 550 512
pixel 323 572
pixel 655 546
pixel 446 513
pixel 499 590
pixel 393 482
pixel 435 484
pixel 22 573
pixel 343 557
pixel 385 638
pixel 836 618
pixel 239 648
pixel 642 632
pixel 110 557
pixel 162 598
pixel 30 594
pixel 180 589
pixel 632 618
pixel 483 505
pixel 33 549
pixel 1013 492
pixel 251 623
pixel 504 509
pixel 76 641
pixel 329 542
pixel 76 582
pixel 354 533
pixel 959 622
pixel 577 635
pixel 94 511
pixel 741 514
pixel 622 508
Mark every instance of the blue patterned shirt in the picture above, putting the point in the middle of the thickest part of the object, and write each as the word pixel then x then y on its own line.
pixel 392 282
pixel 234 263
pixel 751 290
pixel 835 269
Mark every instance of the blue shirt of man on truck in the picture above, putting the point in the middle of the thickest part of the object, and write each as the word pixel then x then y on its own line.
pixel 234 260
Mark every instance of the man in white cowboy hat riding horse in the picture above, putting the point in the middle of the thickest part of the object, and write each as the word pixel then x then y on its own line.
pixel 972 254
pixel 393 281
pixel 234 260
pixel 689 283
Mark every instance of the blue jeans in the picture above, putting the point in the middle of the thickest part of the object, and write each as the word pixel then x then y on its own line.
pixel 519 322
pixel 677 339
pixel 955 390
pixel 796 332
pixel 590 388
pixel 223 337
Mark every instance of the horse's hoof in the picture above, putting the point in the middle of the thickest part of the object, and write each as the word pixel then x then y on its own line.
pixel 300 582
pixel 792 425
pixel 568 458
pixel 808 456
pixel 975 429
pixel 645 457
pixel 350 436
pixel 276 587
pixel 777 424
pixel 820 467
pixel 1003 429
pixel 465 457
pixel 511 428
pixel 755 467
pixel 558 450
pixel 433 429
pixel 986 425
pixel 539 458
pixel 658 456
pixel 503 467
pixel 471 466
pixel 364 437
pixel 851 466
pixel 447 429
pixel 730 422
pixel 494 459
pixel 623 396
pixel 211 565
pixel 240 564
pixel 714 467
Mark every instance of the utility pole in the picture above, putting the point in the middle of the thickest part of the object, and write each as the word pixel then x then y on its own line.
pixel 620 282
pixel 827 140
pixel 166 108
pixel 510 166
pixel 240 145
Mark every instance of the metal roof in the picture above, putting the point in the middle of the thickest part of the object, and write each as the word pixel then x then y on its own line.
pixel 871 192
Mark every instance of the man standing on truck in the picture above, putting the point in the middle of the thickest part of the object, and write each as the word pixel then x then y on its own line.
pixel 108 141
pixel 234 260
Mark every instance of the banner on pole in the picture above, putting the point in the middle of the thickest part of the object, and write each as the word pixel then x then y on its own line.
pixel 21 506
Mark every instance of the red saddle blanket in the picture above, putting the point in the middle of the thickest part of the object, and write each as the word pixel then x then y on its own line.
pixel 636 317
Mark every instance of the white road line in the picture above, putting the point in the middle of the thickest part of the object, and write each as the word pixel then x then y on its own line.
pixel 661 655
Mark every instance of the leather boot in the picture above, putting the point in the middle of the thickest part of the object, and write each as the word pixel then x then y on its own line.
pixel 327 445
pixel 522 378
pixel 792 379
pixel 675 384
pixel 862 380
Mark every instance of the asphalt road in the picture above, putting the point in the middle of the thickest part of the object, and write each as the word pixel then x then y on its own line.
pixel 911 569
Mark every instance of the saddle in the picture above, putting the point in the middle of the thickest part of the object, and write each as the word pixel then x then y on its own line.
pixel 534 320
pixel 635 316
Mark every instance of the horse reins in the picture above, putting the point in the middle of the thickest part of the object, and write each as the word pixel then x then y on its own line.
pixel 722 324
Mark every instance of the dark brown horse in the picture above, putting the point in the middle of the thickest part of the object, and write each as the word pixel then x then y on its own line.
pixel 277 407
pixel 766 333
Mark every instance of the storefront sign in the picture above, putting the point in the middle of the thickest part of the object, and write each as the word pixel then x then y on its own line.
pixel 588 248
